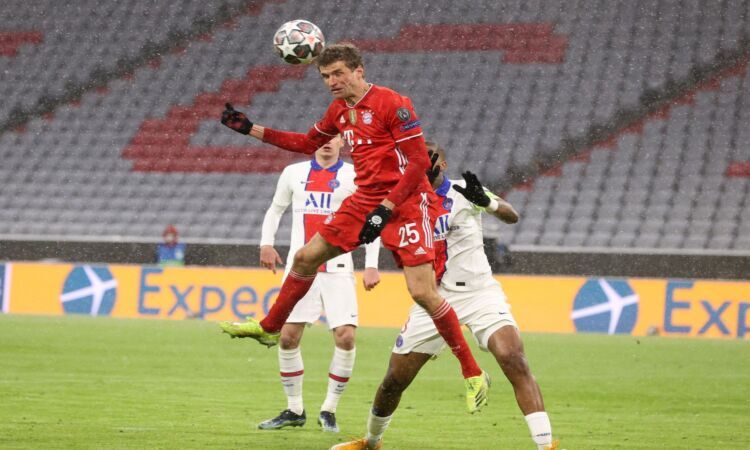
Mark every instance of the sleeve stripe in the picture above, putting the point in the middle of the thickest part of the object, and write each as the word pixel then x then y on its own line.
pixel 408 137
pixel 322 132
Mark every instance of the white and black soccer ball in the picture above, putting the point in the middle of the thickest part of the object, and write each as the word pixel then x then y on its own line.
pixel 298 41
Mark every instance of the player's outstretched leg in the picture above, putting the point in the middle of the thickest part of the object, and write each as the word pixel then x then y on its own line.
pixel 339 372
pixel 307 260
pixel 291 371
pixel 402 369
pixel 506 345
pixel 305 266
pixel 420 280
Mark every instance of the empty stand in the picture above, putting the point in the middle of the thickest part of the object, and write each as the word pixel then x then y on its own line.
pixel 676 180
pixel 499 84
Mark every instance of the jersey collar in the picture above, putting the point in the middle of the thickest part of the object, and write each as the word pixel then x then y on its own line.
pixel 443 189
pixel 316 166
pixel 361 98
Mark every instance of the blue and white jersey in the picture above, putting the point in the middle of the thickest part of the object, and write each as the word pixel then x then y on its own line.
pixel 314 193
pixel 463 266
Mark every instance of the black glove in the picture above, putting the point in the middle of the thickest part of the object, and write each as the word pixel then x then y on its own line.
pixel 374 224
pixel 236 120
pixel 434 169
pixel 474 192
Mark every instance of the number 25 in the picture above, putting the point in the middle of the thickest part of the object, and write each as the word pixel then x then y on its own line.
pixel 409 235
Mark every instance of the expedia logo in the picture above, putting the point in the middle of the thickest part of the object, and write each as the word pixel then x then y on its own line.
pixel 89 290
pixel 605 306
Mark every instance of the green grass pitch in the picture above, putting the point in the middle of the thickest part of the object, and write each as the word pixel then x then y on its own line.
pixel 78 382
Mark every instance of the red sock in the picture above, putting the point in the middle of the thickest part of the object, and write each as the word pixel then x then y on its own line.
pixel 294 288
pixel 446 322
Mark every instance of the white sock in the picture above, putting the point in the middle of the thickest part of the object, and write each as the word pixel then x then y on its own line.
pixel 339 372
pixel 376 427
pixel 292 371
pixel 540 428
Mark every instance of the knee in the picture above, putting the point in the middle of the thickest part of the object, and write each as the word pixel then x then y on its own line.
pixel 513 361
pixel 425 297
pixel 344 337
pixel 305 260
pixel 288 341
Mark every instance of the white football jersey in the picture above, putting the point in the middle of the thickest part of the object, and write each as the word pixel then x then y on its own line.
pixel 462 262
pixel 314 193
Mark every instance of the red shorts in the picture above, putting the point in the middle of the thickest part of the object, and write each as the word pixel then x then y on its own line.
pixel 409 233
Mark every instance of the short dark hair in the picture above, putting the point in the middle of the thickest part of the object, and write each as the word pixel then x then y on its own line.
pixel 344 51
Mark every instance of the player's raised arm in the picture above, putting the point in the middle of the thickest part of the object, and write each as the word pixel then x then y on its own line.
pixel 406 129
pixel 478 195
pixel 287 140
pixel 415 151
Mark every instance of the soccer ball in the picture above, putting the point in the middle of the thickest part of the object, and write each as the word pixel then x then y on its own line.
pixel 298 41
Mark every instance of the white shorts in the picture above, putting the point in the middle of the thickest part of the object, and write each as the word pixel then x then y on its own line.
pixel 331 293
pixel 483 311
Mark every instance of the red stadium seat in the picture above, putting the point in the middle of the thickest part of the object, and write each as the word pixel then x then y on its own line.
pixel 10 41
pixel 739 169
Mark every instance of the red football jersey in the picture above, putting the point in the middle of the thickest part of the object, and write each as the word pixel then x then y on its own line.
pixel 373 127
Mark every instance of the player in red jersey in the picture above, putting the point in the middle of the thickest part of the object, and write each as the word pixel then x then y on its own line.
pixel 391 201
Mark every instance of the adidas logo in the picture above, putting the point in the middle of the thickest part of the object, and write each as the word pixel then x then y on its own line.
pixel 420 251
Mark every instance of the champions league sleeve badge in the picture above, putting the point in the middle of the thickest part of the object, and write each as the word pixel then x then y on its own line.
pixel 403 114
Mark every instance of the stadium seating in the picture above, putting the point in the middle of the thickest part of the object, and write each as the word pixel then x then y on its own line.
pixel 74 40
pixel 676 180
pixel 499 84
